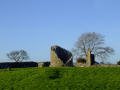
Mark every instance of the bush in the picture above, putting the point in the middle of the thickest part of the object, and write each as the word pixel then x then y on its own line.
pixel 81 60
pixel 118 62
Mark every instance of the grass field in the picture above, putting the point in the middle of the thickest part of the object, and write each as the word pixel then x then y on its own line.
pixel 66 78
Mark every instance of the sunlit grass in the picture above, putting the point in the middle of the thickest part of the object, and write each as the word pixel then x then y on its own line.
pixel 66 78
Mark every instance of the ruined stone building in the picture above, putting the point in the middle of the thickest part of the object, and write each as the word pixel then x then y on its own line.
pixel 60 57
pixel 90 59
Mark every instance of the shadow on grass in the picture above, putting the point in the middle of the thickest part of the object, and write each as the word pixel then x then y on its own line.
pixel 53 74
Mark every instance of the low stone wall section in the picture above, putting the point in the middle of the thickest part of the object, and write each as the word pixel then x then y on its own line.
pixel 43 64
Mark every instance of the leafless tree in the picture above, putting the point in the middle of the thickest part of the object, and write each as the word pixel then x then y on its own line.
pixel 18 56
pixel 95 43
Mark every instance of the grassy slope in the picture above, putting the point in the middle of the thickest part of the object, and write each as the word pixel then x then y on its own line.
pixel 99 78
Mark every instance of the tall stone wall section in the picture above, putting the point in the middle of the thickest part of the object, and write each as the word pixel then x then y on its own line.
pixel 90 58
pixel 60 57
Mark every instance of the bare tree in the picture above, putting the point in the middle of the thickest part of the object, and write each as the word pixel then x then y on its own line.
pixel 18 56
pixel 95 43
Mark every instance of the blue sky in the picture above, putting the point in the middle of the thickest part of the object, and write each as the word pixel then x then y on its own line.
pixel 36 25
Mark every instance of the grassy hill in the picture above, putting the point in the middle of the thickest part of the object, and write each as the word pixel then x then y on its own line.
pixel 67 78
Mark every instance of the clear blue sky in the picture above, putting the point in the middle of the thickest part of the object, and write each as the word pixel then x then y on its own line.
pixel 35 25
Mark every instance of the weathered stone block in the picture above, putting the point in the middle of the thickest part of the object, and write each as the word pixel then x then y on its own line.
pixel 60 57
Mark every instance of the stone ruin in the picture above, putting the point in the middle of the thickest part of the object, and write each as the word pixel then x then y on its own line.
pixel 90 59
pixel 60 57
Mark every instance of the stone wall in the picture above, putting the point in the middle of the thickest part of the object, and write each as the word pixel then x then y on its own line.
pixel 60 57
pixel 43 64
pixel 90 59
pixel 18 65
pixel 79 65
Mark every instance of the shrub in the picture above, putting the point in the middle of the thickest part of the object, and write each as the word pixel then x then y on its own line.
pixel 118 62
pixel 81 60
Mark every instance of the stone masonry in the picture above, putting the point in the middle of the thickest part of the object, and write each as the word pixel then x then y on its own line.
pixel 90 59
pixel 60 57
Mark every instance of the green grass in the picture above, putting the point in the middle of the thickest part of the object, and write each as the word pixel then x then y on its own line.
pixel 66 78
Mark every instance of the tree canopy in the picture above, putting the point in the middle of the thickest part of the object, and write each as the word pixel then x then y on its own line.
pixel 94 42
pixel 18 56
